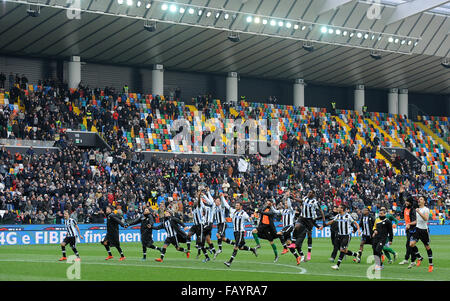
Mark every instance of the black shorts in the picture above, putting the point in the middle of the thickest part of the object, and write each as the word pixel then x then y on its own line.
pixel 196 229
pixel 308 223
pixel 267 232
pixel 221 229
pixel 147 241
pixel 422 235
pixel 207 229
pixel 72 241
pixel 378 245
pixel 366 240
pixel 113 240
pixel 239 239
pixel 171 241
pixel 287 232
pixel 343 241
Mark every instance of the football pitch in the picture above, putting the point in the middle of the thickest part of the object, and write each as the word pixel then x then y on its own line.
pixel 40 262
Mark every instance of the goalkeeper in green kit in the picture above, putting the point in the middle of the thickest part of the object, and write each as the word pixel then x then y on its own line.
pixel 387 250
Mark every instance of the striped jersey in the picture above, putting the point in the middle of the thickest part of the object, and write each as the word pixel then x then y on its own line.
pixel 344 223
pixel 70 227
pixel 366 225
pixel 219 214
pixel 208 209
pixel 238 217
pixel 169 229
pixel 309 208
pixel 198 216
pixel 286 214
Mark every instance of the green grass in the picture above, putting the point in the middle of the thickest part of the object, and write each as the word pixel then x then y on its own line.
pixel 39 262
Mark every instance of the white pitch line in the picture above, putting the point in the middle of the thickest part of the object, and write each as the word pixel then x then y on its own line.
pixel 303 270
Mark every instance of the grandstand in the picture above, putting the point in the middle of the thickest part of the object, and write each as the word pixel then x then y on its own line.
pixel 352 97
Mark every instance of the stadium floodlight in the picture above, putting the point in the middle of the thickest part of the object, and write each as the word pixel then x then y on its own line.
pixel 403 42
pixel 375 55
pixel 396 41
pixel 234 37
pixel 164 6
pixel 303 27
pixel 120 2
pixel 191 11
pixel 345 33
pixel 391 39
pixel 330 31
pixel 226 16
pixel 288 25
pixel 148 5
pixel 409 43
pixel 257 20
pixel 324 29
pixel 338 32
pixel 352 34
pixel 249 19
pixel 280 23
pixel 359 35
pixel 308 46
pixel 366 36
pixel 273 23
pixel 138 4
pixel 34 11
pixel 200 12
pixel 296 26
pixel 173 8
pixel 150 25
pixel 208 14
pixel 264 21
pixel 129 2
pixel 217 15
pixel 182 10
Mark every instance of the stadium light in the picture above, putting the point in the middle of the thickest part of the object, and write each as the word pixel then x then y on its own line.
pixel 296 26
pixel 330 31
pixel 272 23
pixel 200 12
pixel 148 5
pixel 249 19
pixel 182 10
pixel 226 16
pixel 217 15
pixel 138 4
pixel 264 21
pixel 324 29
pixel 338 32
pixel 191 11
pixel 120 2
pixel 208 14
pixel 359 35
pixel 391 39
pixel 257 20
pixel 173 8
pixel 288 25
pixel 164 7
pixel 129 2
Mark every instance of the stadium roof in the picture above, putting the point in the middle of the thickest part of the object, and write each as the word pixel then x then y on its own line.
pixel 113 33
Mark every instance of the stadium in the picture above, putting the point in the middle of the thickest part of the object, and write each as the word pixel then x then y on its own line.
pixel 224 140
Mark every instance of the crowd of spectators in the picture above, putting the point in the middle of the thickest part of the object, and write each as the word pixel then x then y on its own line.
pixel 38 188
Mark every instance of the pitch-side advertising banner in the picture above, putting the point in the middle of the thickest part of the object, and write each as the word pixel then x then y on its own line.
pixel 94 233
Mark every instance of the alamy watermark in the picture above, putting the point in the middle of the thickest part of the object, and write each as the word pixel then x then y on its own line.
pixel 374 11
pixel 371 272
pixel 235 132
pixel 74 11
pixel 74 270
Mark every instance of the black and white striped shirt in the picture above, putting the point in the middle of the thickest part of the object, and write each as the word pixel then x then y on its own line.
pixel 219 214
pixel 238 218
pixel 169 229
pixel 70 227
pixel 366 225
pixel 208 209
pixel 286 214
pixel 309 208
pixel 198 216
pixel 344 223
